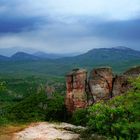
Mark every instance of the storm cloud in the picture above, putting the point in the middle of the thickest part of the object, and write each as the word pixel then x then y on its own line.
pixel 69 26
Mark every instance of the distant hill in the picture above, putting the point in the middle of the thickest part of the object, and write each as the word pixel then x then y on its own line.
pixel 48 55
pixel 105 55
pixel 53 55
pixel 3 58
pixel 19 56
pixel 101 55
pixel 119 58
pixel 42 54
pixel 12 50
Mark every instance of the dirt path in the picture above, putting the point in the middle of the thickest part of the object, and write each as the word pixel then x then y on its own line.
pixel 49 131
pixel 5 137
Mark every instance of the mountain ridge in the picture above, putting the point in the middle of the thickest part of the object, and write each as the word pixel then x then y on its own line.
pixel 119 59
pixel 44 55
pixel 93 52
pixel 8 52
pixel 3 58
pixel 23 56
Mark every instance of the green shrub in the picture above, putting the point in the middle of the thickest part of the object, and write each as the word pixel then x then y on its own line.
pixel 38 107
pixel 119 117
pixel 3 120
pixel 2 86
pixel 79 117
pixel 55 108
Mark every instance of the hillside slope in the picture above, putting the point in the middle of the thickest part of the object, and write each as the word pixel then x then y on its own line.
pixel 3 58
pixel 21 56
pixel 119 58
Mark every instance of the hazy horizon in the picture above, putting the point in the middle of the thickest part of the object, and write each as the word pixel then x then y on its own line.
pixel 59 26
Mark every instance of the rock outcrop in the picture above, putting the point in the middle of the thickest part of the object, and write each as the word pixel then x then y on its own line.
pixel 120 85
pixel 101 85
pixel 76 82
pixel 133 72
pixel 49 131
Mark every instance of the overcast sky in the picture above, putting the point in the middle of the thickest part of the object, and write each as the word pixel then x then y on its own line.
pixel 59 26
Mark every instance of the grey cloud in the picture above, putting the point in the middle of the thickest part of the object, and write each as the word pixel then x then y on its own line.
pixel 123 30
pixel 18 24
pixel 19 27
pixel 15 18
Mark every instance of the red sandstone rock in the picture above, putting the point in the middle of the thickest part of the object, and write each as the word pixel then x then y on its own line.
pixel 120 85
pixel 100 83
pixel 76 85
pixel 100 86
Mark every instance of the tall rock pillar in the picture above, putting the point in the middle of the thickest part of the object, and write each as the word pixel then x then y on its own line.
pixel 76 97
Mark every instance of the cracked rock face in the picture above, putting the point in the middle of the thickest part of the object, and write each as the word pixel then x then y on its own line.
pixel 120 85
pixel 76 95
pixel 100 83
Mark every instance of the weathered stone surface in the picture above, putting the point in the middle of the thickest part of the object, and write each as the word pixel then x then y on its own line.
pixel 133 72
pixel 100 83
pixel 48 131
pixel 76 95
pixel 120 85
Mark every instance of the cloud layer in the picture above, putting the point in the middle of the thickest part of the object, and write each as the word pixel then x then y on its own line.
pixel 60 26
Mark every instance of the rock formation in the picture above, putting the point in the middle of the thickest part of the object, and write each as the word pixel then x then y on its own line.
pixel 76 82
pixel 120 85
pixel 135 71
pixel 101 85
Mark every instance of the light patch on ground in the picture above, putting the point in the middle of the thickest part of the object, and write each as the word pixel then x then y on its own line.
pixel 49 131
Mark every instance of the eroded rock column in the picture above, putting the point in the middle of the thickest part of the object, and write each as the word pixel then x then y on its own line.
pixel 76 97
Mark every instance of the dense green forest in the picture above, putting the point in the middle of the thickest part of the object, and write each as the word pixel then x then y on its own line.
pixel 21 96
pixel 49 68
pixel 25 100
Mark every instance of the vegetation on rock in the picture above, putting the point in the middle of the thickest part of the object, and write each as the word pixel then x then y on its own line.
pixel 117 118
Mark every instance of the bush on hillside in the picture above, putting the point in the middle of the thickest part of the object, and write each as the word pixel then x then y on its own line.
pixel 38 107
pixel 119 117
pixel 79 117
